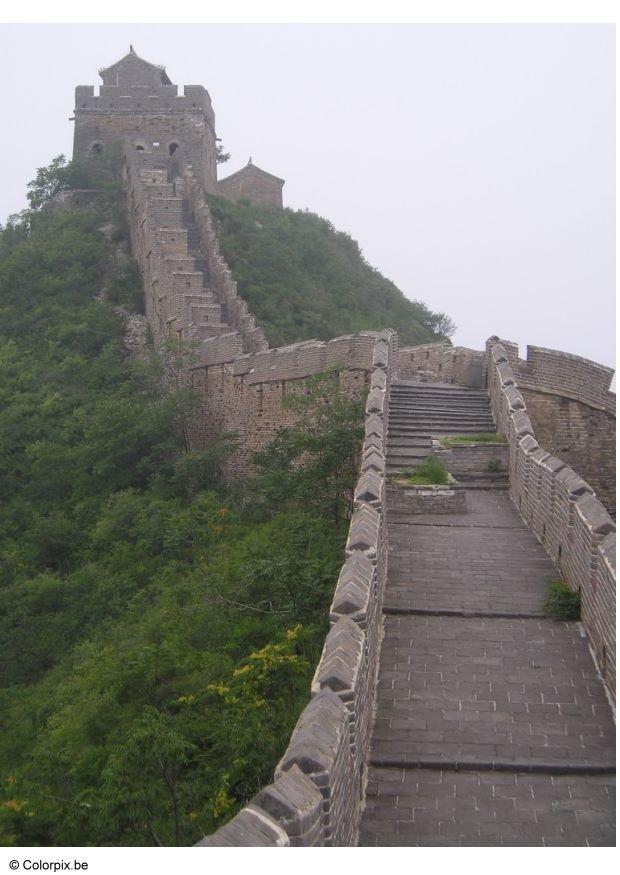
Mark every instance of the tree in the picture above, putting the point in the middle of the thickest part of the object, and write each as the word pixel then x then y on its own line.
pixel 314 463
pixel 221 156
pixel 48 182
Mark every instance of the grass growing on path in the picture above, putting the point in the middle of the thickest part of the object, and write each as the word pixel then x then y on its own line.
pixel 430 472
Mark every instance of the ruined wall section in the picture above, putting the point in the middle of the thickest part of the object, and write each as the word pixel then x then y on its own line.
pixel 317 794
pixel 561 509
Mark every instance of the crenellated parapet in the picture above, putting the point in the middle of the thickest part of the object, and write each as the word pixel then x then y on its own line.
pixel 561 509
pixel 317 794
pixel 572 409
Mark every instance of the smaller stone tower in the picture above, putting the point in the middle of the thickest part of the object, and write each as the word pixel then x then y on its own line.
pixel 137 101
pixel 253 183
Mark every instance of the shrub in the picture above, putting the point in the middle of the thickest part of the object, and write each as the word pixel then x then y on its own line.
pixel 431 471
pixel 562 602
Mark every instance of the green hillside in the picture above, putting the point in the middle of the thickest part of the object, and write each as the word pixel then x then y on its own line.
pixel 303 279
pixel 158 627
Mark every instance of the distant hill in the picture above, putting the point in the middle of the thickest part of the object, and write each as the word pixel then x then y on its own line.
pixel 302 278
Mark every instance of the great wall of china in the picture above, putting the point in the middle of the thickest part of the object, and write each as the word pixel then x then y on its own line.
pixel 399 710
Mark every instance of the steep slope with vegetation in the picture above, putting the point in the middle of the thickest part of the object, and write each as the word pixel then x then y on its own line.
pixel 303 279
pixel 158 628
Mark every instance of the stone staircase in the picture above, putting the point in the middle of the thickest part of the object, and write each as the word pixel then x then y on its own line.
pixel 191 309
pixel 420 411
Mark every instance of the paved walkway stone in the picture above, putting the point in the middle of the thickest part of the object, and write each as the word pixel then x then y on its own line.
pixel 492 725
pixel 436 808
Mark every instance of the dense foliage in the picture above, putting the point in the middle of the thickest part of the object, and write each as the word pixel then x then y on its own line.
pixel 303 279
pixel 158 629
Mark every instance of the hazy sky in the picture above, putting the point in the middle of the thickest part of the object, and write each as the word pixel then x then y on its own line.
pixel 473 163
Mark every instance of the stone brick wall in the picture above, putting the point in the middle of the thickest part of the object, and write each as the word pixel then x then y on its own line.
pixel 478 459
pixel 442 363
pixel 246 396
pixel 317 793
pixel 426 499
pixel 582 436
pixel 572 411
pixel 562 511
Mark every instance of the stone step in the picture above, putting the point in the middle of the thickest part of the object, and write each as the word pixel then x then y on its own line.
pixel 408 443
pixel 203 331
pixel 456 427
pixel 454 396
pixel 428 410
pixel 440 415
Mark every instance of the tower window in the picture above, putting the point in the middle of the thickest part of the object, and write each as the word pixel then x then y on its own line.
pixel 172 148
pixel 96 148
pixel 139 148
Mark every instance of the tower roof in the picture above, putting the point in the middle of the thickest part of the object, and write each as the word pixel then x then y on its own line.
pixel 131 69
pixel 251 169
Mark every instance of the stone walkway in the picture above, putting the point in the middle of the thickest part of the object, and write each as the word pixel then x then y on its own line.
pixel 492 726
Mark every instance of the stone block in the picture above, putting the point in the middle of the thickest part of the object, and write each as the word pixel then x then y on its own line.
pixel 373 461
pixel 320 731
pixel 607 549
pixel 378 380
pixel 341 660
pixel 506 376
pixel 498 353
pixel 364 531
pixel 296 804
pixel 381 355
pixel 514 398
pixel 251 828
pixel 594 515
pixel 374 425
pixel 572 483
pixel 529 444
pixel 354 589
pixel 375 402
pixel 369 488
pixel 522 424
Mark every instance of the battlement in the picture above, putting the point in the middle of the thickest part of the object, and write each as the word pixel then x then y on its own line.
pixel 562 373
pixel 144 100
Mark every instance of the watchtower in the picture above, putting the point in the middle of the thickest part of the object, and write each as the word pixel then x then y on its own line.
pixel 138 102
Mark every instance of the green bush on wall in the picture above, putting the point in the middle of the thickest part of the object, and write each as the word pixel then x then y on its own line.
pixel 562 602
